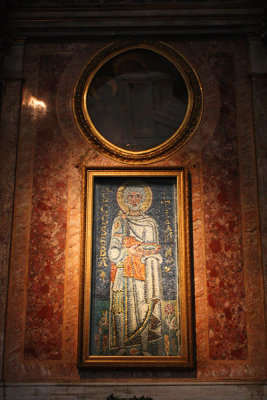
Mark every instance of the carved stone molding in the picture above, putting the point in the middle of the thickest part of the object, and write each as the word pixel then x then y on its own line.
pixel 51 18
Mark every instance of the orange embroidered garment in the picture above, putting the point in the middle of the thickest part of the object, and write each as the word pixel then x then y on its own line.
pixel 132 265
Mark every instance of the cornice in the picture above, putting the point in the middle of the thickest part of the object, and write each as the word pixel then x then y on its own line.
pixel 79 19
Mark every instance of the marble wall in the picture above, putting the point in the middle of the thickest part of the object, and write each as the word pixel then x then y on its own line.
pixel 43 299
pixel 11 91
pixel 259 90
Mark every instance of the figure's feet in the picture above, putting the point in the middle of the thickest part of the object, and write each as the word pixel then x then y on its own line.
pixel 155 300
pixel 121 352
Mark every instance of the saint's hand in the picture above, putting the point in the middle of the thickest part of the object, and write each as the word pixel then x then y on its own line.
pixel 133 251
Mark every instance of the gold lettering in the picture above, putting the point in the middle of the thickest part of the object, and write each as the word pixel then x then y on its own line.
pixel 103 252
pixel 103 230
pixel 165 202
pixel 103 262
pixel 168 252
pixel 168 229
pixel 103 240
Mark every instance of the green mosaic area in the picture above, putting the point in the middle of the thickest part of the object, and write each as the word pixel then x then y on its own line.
pixel 168 345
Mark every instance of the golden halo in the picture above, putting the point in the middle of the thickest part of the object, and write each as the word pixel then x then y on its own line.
pixel 134 183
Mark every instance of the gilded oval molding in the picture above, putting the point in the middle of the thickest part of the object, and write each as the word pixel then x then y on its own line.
pixel 88 106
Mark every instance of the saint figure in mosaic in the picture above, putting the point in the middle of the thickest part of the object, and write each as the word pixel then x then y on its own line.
pixel 135 289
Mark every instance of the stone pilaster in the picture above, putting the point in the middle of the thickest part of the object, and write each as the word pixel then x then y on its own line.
pixel 258 52
pixel 11 84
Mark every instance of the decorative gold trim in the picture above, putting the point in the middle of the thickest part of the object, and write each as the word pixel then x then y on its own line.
pixel 185 359
pixel 182 134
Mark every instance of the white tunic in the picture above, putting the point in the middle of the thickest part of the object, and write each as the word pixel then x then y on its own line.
pixel 136 297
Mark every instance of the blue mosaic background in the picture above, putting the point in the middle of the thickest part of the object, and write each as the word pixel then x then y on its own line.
pixel 163 210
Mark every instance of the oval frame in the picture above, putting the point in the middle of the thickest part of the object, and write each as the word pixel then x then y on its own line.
pixel 186 129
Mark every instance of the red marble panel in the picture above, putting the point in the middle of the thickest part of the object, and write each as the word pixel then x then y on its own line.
pixel 44 316
pixel 222 218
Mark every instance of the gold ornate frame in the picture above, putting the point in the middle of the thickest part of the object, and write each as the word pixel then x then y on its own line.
pixel 185 358
pixel 182 134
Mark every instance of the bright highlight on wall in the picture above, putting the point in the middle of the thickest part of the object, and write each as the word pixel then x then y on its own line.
pixel 36 104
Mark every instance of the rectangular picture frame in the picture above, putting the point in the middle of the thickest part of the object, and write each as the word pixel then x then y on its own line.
pixel 135 289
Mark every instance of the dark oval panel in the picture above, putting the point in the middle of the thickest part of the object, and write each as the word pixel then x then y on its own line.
pixel 137 100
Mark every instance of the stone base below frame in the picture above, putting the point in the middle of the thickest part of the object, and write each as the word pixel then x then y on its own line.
pixel 157 391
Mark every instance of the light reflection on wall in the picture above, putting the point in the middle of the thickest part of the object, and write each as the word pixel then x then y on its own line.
pixel 38 106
